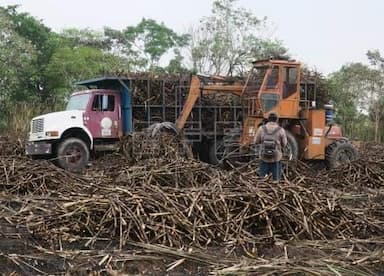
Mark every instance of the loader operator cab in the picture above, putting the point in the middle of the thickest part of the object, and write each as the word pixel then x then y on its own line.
pixel 273 85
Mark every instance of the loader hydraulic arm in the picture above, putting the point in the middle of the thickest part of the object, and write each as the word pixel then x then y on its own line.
pixel 198 88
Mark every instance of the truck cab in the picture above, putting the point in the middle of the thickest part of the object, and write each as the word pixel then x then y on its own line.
pixel 93 120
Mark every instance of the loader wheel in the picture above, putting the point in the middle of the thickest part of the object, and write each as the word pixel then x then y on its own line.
pixel 168 130
pixel 164 127
pixel 225 147
pixel 72 154
pixel 339 153
pixel 216 152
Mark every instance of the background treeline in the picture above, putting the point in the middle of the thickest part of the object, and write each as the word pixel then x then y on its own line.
pixel 39 66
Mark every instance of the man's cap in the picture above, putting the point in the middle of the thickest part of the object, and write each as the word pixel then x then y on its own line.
pixel 273 116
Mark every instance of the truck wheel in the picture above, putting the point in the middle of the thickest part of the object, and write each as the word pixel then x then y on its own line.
pixel 339 153
pixel 72 154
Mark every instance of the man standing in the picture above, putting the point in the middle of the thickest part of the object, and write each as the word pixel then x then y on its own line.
pixel 272 138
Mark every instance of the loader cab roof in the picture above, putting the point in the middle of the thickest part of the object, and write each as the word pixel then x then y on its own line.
pixel 267 62
pixel 114 83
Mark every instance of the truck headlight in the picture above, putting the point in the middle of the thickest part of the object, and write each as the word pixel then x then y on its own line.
pixel 53 133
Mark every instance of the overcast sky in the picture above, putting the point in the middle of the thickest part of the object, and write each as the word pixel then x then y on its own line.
pixel 324 34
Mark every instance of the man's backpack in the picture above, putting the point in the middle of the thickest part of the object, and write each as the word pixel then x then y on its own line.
pixel 269 145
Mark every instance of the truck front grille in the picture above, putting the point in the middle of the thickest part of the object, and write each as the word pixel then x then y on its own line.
pixel 38 125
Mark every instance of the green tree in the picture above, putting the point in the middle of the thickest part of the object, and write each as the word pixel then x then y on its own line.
pixel 69 65
pixel 175 65
pixel 86 37
pixel 146 43
pixel 79 54
pixel 375 94
pixel 376 115
pixel 376 59
pixel 39 64
pixel 17 59
pixel 347 88
pixel 229 38
pixel 359 89
pixel 40 38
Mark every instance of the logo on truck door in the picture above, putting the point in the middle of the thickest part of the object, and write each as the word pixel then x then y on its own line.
pixel 106 125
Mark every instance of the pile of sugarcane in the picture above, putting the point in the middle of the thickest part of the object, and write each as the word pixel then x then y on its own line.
pixel 159 206
pixel 11 146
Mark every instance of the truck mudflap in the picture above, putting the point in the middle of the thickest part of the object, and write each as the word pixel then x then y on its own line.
pixel 38 148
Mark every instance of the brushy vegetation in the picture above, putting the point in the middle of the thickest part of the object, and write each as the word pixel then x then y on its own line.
pixel 39 66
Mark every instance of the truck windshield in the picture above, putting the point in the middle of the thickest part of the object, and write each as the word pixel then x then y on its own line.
pixel 78 102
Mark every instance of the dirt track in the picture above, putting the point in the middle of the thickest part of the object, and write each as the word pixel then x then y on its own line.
pixel 164 213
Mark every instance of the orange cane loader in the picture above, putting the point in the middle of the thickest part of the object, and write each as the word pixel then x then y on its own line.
pixel 275 86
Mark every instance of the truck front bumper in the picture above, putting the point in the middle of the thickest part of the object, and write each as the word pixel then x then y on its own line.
pixel 38 148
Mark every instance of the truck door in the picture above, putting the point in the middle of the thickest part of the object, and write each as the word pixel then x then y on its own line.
pixel 103 116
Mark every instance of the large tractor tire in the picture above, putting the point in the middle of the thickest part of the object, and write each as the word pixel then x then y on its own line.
pixel 166 130
pixel 216 152
pixel 224 147
pixel 73 154
pixel 164 127
pixel 339 153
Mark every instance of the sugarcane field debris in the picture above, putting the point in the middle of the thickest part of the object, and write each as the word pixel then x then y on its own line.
pixel 153 209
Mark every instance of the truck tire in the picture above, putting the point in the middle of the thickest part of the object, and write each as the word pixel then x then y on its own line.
pixel 72 154
pixel 340 152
